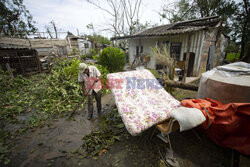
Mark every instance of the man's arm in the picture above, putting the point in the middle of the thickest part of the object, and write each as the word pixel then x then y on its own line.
pixel 81 80
pixel 98 78
pixel 83 88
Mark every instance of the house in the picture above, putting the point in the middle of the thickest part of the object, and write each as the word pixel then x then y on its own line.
pixel 44 47
pixel 80 43
pixel 49 47
pixel 201 39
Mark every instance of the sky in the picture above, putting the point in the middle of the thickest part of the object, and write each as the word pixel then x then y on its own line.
pixel 70 15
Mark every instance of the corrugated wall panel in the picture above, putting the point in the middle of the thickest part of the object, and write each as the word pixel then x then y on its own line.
pixel 184 43
pixel 202 38
pixel 198 44
pixel 193 38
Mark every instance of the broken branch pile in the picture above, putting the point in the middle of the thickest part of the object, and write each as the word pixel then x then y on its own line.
pixel 42 96
pixel 111 129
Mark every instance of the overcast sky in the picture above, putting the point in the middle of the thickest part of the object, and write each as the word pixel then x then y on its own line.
pixel 72 14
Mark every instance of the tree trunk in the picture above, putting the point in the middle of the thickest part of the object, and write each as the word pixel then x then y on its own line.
pixel 242 43
pixel 181 85
pixel 245 30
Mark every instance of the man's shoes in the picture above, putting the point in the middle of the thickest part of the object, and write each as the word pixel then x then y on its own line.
pixel 89 116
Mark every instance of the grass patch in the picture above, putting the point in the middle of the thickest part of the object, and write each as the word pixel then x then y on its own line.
pixel 181 94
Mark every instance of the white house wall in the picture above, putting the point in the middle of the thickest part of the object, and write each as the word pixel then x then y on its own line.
pixel 197 39
pixel 81 46
pixel 147 45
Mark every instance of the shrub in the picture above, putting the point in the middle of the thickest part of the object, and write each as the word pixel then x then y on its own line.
pixel 74 52
pixel 112 58
pixel 232 56
pixel 83 57
pixel 93 53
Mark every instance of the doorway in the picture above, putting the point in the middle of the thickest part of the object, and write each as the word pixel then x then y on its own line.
pixel 190 63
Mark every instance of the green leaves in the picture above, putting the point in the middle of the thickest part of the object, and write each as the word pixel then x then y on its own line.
pixel 44 97
pixel 4 135
pixel 113 59
pixel 47 96
pixel 121 125
pixel 15 18
pixel 111 130
pixel 99 39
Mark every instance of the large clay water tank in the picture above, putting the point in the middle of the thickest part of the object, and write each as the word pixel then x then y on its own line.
pixel 227 86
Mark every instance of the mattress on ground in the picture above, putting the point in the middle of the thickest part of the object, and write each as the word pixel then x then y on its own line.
pixel 141 101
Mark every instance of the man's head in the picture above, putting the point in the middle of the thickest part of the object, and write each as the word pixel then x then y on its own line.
pixel 83 68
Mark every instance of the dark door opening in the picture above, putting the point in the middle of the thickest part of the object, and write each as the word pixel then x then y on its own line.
pixel 210 58
pixel 190 63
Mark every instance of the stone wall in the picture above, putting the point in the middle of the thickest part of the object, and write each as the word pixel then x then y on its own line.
pixel 220 50
pixel 210 39
pixel 216 38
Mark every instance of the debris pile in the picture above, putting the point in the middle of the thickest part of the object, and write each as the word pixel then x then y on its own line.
pixel 98 142
pixel 43 96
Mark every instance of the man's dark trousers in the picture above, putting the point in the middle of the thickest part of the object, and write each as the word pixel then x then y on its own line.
pixel 98 102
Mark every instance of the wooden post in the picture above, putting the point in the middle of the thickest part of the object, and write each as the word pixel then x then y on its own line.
pixel 187 57
pixel 69 43
pixel 28 39
pixel 139 56
pixel 20 63
pixel 78 34
pixel 35 54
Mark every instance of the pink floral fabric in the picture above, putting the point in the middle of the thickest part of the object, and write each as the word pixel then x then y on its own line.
pixel 140 103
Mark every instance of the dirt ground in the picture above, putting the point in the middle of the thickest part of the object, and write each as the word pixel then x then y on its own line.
pixel 51 146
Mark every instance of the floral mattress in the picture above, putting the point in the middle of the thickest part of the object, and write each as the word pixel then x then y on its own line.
pixel 141 101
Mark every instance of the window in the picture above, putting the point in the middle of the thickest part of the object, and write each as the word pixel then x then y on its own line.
pixel 162 43
pixel 166 44
pixel 175 50
pixel 137 50
pixel 86 45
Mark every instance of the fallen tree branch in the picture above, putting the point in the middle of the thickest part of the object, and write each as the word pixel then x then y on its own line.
pixel 181 85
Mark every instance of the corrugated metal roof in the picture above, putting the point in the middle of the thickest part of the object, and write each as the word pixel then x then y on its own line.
pixel 176 28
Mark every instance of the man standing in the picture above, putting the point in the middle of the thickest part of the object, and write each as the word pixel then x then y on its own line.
pixel 89 78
